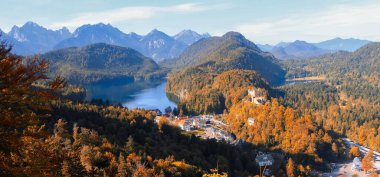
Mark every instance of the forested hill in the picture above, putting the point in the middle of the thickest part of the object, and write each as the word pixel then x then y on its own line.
pixel 99 62
pixel 197 74
pixel 230 51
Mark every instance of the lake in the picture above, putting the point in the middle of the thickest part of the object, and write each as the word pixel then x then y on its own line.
pixel 293 82
pixel 139 94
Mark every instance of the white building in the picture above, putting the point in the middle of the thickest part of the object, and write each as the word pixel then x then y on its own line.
pixel 264 159
pixel 356 165
pixel 257 96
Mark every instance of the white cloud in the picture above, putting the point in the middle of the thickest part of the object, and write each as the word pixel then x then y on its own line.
pixel 127 13
pixel 340 21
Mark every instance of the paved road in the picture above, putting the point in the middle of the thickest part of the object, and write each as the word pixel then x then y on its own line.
pixel 345 168
pixel 364 150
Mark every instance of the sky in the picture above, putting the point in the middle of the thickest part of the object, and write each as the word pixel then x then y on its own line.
pixel 261 21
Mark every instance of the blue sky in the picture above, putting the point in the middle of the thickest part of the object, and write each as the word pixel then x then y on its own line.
pixel 262 21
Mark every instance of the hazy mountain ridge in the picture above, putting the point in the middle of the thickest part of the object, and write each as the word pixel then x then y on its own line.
pixel 302 49
pixel 336 44
pixel 297 50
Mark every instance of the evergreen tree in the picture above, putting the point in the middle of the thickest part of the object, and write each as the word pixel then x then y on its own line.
pixel 122 167
pixel 130 145
pixel 65 169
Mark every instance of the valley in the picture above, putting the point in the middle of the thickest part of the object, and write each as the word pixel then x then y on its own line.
pixel 99 101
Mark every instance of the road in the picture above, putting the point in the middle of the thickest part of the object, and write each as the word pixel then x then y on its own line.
pixel 345 168
pixel 364 150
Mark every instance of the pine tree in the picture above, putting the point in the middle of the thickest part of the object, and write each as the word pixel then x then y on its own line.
pixel 130 146
pixel 65 169
pixel 122 167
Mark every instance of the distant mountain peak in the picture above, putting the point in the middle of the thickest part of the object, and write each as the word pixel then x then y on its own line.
pixel 189 36
pixel 64 31
pixel 187 31
pixel 206 35
pixel 155 32
pixel 302 44
pixel 299 42
pixel 30 23
pixel 95 28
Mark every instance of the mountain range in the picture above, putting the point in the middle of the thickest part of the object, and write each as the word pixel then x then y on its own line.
pixel 32 38
pixel 302 49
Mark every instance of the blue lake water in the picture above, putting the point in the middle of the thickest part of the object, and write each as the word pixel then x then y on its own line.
pixel 139 94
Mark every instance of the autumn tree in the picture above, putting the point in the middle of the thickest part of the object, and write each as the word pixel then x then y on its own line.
pixel 65 169
pixel 354 151
pixel 22 105
pixel 215 173
pixel 367 161
pixel 335 150
pixel 290 168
